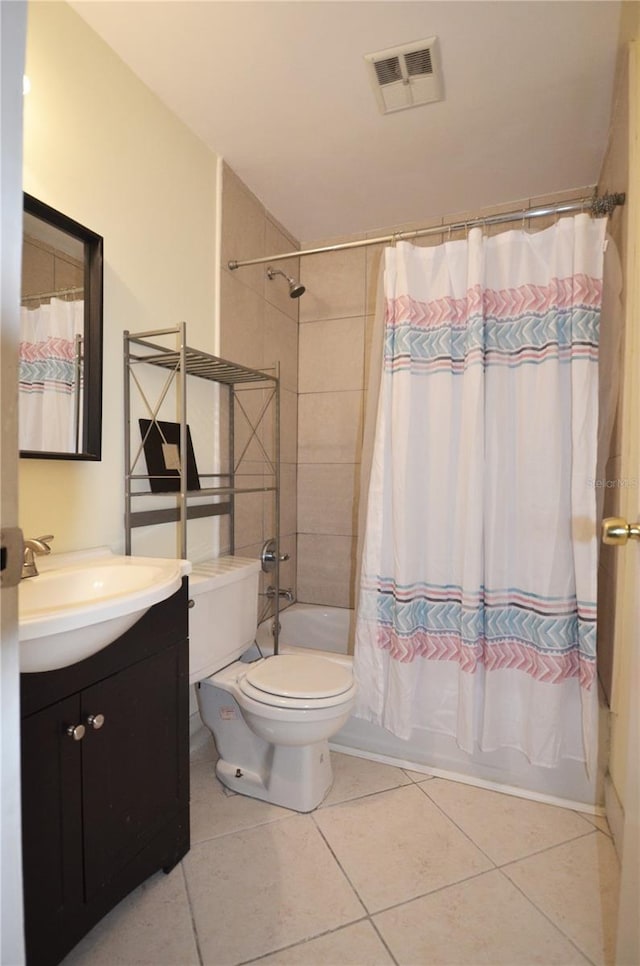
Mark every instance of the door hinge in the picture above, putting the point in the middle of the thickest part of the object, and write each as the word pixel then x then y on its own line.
pixel 11 556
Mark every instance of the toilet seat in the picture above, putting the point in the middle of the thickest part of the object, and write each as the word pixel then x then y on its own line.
pixel 297 681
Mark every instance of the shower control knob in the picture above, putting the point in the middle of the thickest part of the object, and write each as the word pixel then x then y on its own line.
pixel 616 531
pixel 270 557
pixel 76 732
pixel 95 721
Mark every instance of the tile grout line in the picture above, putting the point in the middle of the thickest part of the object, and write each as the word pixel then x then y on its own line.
pixel 522 858
pixel 545 916
pixel 549 848
pixel 433 892
pixel 338 863
pixel 196 938
pixel 303 942
pixel 453 822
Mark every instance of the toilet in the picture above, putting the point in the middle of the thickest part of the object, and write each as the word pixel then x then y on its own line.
pixel 271 717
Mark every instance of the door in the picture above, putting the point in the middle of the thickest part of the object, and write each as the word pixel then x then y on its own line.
pixel 13 23
pixel 624 761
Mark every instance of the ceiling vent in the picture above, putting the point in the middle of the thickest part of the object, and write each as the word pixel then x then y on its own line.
pixel 406 76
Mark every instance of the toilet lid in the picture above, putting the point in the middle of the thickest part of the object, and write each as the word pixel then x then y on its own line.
pixel 300 676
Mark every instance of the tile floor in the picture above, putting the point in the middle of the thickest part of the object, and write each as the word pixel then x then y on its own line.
pixel 394 868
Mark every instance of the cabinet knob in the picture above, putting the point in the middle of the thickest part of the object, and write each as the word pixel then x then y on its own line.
pixel 95 721
pixel 76 732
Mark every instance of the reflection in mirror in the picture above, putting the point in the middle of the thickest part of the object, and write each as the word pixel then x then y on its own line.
pixel 60 396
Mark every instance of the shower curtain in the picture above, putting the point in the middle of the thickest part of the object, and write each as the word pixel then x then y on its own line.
pixel 476 614
pixel 47 386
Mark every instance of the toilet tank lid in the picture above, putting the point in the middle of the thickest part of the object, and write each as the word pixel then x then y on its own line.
pixel 220 571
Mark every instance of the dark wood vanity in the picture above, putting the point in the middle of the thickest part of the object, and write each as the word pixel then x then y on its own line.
pixel 105 778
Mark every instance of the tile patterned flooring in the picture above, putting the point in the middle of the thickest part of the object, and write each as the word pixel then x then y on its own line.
pixel 395 867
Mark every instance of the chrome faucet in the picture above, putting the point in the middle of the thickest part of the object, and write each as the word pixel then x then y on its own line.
pixel 38 546
pixel 286 593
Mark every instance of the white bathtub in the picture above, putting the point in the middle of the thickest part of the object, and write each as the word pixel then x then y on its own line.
pixel 328 628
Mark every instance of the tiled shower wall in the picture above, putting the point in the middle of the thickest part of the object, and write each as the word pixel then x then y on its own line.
pixel 336 317
pixel 259 325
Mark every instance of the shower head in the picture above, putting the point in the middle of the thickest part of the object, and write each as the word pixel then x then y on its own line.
pixel 295 288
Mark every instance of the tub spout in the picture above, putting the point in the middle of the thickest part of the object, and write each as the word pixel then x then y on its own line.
pixel 287 593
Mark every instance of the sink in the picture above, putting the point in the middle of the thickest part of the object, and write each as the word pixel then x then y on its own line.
pixel 81 602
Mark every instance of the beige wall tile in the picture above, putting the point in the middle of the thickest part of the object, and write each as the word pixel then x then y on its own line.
pixel 374 263
pixel 288 502
pixel 335 284
pixel 281 344
pixel 326 569
pixel 326 498
pixel 288 426
pixel 331 355
pixel 241 322
pixel 249 446
pixel 243 231
pixel 330 427
pixel 249 513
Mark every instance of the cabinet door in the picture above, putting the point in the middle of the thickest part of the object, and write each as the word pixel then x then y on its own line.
pixel 51 820
pixel 133 773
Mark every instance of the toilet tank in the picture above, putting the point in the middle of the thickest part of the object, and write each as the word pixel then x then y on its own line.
pixel 223 617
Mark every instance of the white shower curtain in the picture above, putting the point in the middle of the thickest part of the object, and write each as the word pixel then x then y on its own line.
pixel 478 586
pixel 48 377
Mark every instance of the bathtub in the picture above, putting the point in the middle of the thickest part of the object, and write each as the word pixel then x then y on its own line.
pixel 327 629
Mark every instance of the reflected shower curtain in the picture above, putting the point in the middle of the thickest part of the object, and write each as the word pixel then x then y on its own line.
pixel 48 375
pixel 478 586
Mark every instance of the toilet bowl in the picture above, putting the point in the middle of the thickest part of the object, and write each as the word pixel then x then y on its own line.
pixel 271 718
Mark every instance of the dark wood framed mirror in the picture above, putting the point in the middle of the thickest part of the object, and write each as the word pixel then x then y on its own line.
pixel 60 381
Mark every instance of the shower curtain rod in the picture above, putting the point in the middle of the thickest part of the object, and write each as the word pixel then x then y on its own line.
pixel 51 295
pixel 597 206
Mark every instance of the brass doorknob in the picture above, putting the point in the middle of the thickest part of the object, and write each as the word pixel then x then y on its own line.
pixel 617 531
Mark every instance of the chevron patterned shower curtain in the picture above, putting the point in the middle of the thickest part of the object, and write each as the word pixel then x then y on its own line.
pixel 477 610
pixel 47 380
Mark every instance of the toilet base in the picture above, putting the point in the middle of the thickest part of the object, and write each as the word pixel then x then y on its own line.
pixel 299 778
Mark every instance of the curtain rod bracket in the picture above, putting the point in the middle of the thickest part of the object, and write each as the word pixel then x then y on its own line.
pixel 605 204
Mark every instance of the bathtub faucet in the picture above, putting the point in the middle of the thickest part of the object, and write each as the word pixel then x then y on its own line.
pixel 286 593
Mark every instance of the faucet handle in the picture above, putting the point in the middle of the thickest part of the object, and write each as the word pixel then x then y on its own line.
pixel 45 541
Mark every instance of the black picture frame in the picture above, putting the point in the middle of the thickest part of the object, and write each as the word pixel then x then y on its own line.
pixel 163 478
pixel 91 442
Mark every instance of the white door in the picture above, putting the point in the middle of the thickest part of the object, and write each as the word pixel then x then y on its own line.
pixel 13 22
pixel 625 747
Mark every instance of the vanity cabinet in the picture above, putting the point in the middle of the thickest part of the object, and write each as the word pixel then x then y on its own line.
pixel 105 778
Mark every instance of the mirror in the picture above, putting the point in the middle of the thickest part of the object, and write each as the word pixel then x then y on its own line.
pixel 60 381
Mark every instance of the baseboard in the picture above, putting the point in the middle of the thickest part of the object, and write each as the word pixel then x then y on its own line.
pixel 615 813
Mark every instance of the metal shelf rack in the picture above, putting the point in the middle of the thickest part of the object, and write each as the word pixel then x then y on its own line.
pixel 182 364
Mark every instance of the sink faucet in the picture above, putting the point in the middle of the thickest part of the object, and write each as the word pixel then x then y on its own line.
pixel 34 546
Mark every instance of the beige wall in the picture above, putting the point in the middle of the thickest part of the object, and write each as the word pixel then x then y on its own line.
pixel 336 318
pixel 101 148
pixel 259 326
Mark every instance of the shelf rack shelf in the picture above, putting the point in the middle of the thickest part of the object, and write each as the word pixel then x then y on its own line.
pixel 182 364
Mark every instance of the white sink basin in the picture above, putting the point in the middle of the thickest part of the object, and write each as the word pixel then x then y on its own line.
pixel 81 602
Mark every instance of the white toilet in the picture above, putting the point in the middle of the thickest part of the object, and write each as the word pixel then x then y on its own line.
pixel 272 717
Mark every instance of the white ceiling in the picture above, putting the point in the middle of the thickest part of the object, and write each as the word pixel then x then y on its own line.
pixel 280 89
